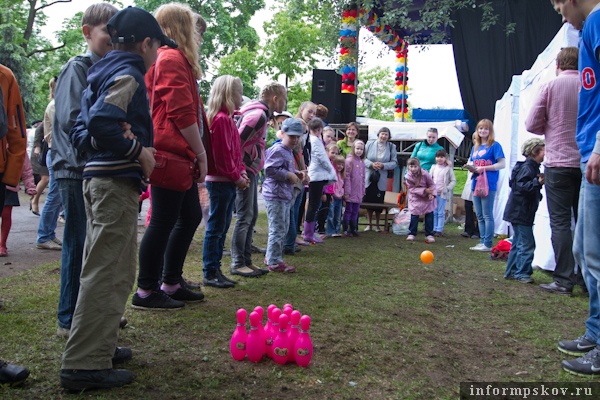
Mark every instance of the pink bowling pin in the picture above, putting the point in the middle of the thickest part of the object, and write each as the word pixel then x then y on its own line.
pixel 237 344
pixel 281 344
pixel 255 344
pixel 293 333
pixel 287 310
pixel 261 312
pixel 288 305
pixel 270 309
pixel 272 332
pixel 303 348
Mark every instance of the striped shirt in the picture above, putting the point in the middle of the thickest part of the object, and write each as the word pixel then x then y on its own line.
pixel 554 115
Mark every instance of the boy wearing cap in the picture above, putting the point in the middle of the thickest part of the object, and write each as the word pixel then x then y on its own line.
pixel 525 183
pixel 278 190
pixel 116 166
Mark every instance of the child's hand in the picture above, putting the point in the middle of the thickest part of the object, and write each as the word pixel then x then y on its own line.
pixel 147 161
pixel 541 178
pixel 300 175
pixel 346 197
pixel 323 198
pixel 431 197
pixel 127 134
pixel 292 178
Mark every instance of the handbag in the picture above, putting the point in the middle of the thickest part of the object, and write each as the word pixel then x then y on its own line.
pixel 481 186
pixel 374 178
pixel 43 153
pixel 173 172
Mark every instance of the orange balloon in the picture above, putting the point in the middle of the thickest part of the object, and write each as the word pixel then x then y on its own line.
pixel 427 257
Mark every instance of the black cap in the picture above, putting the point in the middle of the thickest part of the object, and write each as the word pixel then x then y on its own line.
pixel 134 24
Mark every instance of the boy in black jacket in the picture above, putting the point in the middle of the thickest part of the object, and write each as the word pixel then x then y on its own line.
pixel 525 183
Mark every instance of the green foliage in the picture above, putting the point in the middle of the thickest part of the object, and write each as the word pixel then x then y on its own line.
pixel 297 94
pixel 242 63
pixel 380 82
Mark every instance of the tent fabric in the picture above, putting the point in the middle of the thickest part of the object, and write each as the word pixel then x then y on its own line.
pixel 487 60
pixel 509 127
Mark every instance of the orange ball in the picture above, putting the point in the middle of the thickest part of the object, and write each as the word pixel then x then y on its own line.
pixel 427 257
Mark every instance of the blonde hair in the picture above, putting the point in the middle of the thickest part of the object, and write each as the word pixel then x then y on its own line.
pixel 332 145
pixel 271 89
pixel 357 141
pixel 303 106
pixel 52 86
pixel 221 95
pixel 419 174
pixel 485 123
pixel 341 160
pixel 178 22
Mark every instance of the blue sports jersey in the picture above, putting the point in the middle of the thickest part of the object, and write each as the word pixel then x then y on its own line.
pixel 588 119
pixel 487 156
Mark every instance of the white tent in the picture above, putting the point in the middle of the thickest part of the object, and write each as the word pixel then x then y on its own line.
pixel 509 127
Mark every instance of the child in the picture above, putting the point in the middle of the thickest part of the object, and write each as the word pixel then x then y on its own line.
pixel 525 183
pixel 12 199
pixel 335 210
pixel 278 192
pixel 327 196
pixel 115 169
pixel 226 174
pixel 354 187
pixel 328 135
pixel 421 199
pixel 443 177
pixel 321 173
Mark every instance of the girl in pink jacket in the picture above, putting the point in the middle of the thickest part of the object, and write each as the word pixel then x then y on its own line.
pixel 421 198
pixel 12 199
pixel 354 187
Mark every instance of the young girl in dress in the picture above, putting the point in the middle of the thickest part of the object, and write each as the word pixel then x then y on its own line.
pixel 335 209
pixel 443 177
pixel 421 199
pixel 321 173
pixel 327 197
pixel 354 187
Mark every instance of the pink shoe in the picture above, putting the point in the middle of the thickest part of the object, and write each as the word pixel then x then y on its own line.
pixel 282 267
pixel 301 242
pixel 3 251
pixel 429 239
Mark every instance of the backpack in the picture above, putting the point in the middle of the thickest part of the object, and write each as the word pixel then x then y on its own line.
pixel 3 117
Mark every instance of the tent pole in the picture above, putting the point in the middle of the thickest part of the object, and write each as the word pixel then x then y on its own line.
pixel 451 201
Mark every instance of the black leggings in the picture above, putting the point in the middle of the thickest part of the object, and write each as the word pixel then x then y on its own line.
pixel 315 191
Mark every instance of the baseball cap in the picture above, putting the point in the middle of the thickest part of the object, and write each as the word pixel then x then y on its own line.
pixel 282 114
pixel 530 145
pixel 292 127
pixel 133 24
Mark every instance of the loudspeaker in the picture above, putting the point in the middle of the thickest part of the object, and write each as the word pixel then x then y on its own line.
pixel 348 107
pixel 326 90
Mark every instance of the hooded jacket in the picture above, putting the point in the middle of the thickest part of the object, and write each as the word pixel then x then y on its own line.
pixel 525 195
pixel 116 93
pixel 14 144
pixel 252 126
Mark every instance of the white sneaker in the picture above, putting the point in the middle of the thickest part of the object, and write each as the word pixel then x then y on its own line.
pixel 49 245
pixel 410 238
pixel 481 247
pixel 430 239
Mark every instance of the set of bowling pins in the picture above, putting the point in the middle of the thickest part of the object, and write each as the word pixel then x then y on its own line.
pixel 284 338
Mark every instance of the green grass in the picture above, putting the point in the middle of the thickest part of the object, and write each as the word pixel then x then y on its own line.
pixel 461 178
pixel 384 326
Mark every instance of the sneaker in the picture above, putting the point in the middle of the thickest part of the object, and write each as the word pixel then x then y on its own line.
pixel 480 247
pixel 289 251
pixel 82 379
pixel 49 245
pixel 214 279
pixel 465 235
pixel 258 250
pixel 156 301
pixel 430 239
pixel 281 267
pixel 336 235
pixel 588 364
pixel 368 228
pixel 63 332
pixel 577 347
pixel 436 234
pixel 525 279
pixel 57 241
pixel 121 355
pixel 225 278
pixel 262 271
pixel 410 238
pixel 186 295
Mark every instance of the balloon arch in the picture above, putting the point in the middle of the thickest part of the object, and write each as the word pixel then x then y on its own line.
pixel 354 17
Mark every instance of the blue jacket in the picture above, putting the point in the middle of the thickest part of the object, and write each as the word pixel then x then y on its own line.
pixel 116 93
pixel 525 195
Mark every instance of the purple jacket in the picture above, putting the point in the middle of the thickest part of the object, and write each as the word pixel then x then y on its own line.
pixel 418 201
pixel 279 160
pixel 354 185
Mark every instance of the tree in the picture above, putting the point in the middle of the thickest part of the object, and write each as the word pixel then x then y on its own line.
pixel 297 94
pixel 242 63
pixel 380 83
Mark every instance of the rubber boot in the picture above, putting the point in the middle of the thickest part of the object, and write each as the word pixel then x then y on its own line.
pixel 308 232
pixel 316 235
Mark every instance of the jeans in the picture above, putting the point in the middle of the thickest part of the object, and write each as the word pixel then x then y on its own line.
pixel 71 195
pixel 414 223
pixel 278 216
pixel 108 272
pixel 292 233
pixel 174 220
pixel 439 215
pixel 586 250
pixel 246 206
pixel 334 217
pixel 222 201
pixel 521 253
pixel 315 190
pixel 51 210
pixel 484 208
pixel 562 196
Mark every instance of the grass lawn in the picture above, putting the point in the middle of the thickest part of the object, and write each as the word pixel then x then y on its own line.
pixel 384 326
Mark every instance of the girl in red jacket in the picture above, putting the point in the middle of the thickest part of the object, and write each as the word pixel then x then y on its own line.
pixel 226 171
